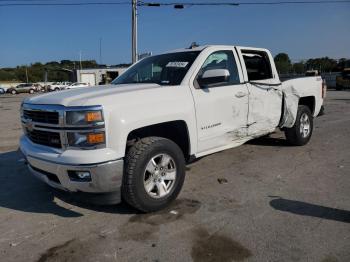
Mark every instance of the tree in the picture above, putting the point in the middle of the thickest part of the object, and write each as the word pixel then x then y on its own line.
pixel 323 64
pixel 299 68
pixel 343 63
pixel 283 63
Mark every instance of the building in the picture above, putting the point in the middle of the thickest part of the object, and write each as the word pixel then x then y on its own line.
pixel 99 76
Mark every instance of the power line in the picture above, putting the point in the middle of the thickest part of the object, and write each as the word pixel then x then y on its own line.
pixel 82 1
pixel 156 4
pixel 179 4
pixel 62 4
pixel 295 2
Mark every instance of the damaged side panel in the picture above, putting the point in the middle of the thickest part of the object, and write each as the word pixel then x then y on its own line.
pixel 290 106
pixel 265 105
pixel 295 89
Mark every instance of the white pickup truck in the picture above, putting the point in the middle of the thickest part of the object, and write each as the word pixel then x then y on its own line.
pixel 131 139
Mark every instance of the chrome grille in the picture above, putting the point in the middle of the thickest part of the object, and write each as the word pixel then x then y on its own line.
pixel 46 124
pixel 42 116
pixel 45 138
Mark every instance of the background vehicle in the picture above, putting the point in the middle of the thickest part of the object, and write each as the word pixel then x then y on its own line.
pixel 343 81
pixel 39 87
pixel 2 91
pixel 76 85
pixel 312 73
pixel 131 139
pixel 22 88
pixel 57 86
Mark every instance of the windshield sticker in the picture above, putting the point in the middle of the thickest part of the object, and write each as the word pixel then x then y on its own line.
pixel 177 64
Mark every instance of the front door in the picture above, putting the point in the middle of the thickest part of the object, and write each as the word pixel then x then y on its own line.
pixel 222 108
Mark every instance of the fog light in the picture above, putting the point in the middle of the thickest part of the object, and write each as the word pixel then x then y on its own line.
pixel 83 174
pixel 79 176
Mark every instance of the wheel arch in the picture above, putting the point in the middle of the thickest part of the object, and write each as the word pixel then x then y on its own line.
pixel 176 131
pixel 308 101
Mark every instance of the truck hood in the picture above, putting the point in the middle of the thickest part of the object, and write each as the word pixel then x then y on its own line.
pixel 87 95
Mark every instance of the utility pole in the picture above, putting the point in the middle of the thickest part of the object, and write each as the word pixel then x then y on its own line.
pixel 27 73
pixel 134 4
pixel 100 50
pixel 81 67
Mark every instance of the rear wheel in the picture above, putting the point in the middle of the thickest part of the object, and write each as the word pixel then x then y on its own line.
pixel 13 92
pixel 154 174
pixel 301 132
pixel 31 91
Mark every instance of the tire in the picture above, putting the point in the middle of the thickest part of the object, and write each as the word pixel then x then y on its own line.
pixel 57 89
pixel 137 176
pixel 13 92
pixel 297 135
pixel 31 91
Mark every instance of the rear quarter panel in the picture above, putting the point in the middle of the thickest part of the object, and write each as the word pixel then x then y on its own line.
pixel 295 89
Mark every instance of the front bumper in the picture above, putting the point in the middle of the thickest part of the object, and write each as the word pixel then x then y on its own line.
pixel 106 176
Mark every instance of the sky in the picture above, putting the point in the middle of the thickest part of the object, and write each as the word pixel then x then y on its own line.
pixel 30 34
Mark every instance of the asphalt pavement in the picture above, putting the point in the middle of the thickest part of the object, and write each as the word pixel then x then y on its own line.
pixel 263 201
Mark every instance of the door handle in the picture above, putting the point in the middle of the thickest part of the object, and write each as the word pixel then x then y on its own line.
pixel 240 94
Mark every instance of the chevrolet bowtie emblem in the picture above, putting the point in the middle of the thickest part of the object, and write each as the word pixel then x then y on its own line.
pixel 29 125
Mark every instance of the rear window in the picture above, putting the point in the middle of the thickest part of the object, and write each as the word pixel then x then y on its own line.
pixel 257 64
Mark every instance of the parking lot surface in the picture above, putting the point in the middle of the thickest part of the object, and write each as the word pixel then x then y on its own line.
pixel 263 201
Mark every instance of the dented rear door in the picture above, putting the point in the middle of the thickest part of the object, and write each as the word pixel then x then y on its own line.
pixel 265 94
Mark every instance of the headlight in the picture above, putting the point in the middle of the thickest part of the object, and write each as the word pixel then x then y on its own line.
pixel 79 118
pixel 86 139
pixel 86 127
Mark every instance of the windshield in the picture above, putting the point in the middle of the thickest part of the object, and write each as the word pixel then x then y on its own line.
pixel 167 69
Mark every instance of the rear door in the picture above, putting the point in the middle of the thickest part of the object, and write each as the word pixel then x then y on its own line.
pixel 221 109
pixel 265 94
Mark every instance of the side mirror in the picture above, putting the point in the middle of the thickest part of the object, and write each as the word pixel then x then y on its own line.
pixel 213 77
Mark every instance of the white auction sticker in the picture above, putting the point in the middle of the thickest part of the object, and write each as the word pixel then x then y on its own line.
pixel 177 64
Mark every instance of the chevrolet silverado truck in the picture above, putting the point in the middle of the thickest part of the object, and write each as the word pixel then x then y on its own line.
pixel 131 140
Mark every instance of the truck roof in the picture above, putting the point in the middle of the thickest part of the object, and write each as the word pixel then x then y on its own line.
pixel 201 48
pixel 198 48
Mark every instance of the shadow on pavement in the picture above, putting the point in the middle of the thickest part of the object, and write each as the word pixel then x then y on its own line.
pixel 19 190
pixel 307 209
pixel 268 141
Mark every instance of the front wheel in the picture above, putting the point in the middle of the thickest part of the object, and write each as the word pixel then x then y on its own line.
pixel 301 132
pixel 13 92
pixel 154 174
pixel 31 91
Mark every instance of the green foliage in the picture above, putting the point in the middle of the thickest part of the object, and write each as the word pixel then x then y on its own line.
pixel 343 63
pixel 56 71
pixel 283 63
pixel 299 68
pixel 62 71
pixel 323 64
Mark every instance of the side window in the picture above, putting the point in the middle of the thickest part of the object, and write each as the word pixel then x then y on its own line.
pixel 257 64
pixel 222 60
